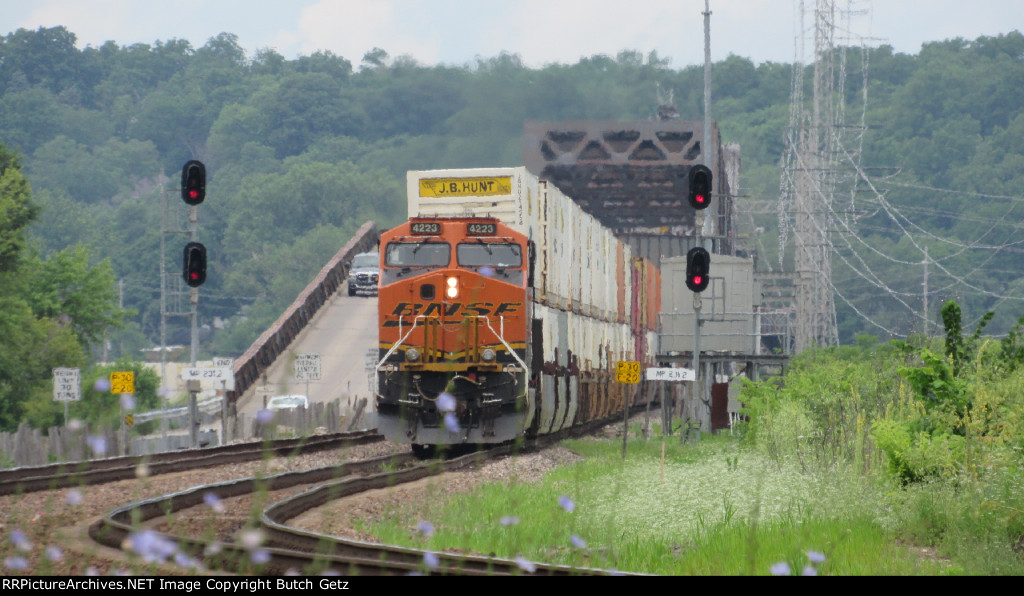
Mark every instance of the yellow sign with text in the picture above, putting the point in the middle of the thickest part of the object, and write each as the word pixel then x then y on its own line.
pixel 122 382
pixel 466 187
pixel 627 371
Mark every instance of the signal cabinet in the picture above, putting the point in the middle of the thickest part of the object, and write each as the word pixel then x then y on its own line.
pixel 728 307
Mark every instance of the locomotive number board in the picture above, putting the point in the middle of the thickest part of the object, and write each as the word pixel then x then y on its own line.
pixel 426 228
pixel 481 229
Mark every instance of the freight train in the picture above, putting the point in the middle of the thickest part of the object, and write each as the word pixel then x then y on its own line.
pixel 503 310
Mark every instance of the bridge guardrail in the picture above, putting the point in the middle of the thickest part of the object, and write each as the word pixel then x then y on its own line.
pixel 276 339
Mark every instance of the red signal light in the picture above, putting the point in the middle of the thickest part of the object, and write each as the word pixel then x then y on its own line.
pixel 699 186
pixel 193 182
pixel 698 268
pixel 194 264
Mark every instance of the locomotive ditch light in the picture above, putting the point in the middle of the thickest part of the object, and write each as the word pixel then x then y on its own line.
pixel 452 291
pixel 412 354
pixel 488 355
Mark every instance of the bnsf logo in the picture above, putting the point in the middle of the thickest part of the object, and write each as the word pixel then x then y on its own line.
pixel 412 309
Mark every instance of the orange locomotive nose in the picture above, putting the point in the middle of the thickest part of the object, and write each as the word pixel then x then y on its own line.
pixel 453 326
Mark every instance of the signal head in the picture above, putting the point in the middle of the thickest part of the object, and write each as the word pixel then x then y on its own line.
pixel 193 182
pixel 699 187
pixel 193 268
pixel 698 269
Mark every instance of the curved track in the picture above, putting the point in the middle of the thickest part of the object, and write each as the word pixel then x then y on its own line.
pixel 285 549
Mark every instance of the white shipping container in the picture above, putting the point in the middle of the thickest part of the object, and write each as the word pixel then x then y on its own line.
pixel 596 344
pixel 573 270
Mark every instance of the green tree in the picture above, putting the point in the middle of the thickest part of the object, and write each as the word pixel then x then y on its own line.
pixel 66 286
pixel 16 209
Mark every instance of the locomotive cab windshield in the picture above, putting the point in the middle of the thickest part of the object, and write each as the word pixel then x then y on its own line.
pixel 502 258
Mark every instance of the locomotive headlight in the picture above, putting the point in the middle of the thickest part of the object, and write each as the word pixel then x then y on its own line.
pixel 412 354
pixel 488 355
pixel 452 291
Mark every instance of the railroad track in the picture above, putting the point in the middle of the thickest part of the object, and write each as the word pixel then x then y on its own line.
pixel 284 549
pixel 80 473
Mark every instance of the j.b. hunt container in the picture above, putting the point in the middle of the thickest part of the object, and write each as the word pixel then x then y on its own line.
pixel 581 266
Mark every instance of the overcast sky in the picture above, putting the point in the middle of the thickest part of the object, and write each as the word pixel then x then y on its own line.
pixel 456 32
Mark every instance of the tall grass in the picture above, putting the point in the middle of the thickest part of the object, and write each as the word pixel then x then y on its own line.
pixel 803 489
pixel 717 509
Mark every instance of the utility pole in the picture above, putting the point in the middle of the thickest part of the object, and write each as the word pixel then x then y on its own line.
pixel 705 146
pixel 700 196
pixel 924 297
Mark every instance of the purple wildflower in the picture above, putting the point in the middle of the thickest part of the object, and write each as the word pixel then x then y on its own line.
pixel 265 416
pixel 815 556
pixel 578 542
pixel 17 563
pixel 446 402
pixel 97 444
pixel 809 571
pixel 566 503
pixel 509 520
pixel 183 560
pixel 251 539
pixel 74 497
pixel 151 546
pixel 425 528
pixel 525 564
pixel 451 423
pixel 102 385
pixel 260 556
pixel 54 553
pixel 127 401
pixel 431 559
pixel 214 502
pixel 780 568
pixel 21 541
pixel 487 271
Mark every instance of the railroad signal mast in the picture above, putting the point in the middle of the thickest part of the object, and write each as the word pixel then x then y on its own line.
pixel 698 261
pixel 193 272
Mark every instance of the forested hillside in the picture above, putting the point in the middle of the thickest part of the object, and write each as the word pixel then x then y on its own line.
pixel 301 152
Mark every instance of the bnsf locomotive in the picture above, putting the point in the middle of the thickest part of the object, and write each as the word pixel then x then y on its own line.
pixel 503 309
pixel 453 321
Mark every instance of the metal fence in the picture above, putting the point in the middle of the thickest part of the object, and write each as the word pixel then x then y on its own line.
pixel 32 447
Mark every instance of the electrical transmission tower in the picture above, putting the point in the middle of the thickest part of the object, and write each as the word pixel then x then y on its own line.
pixel 817 155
